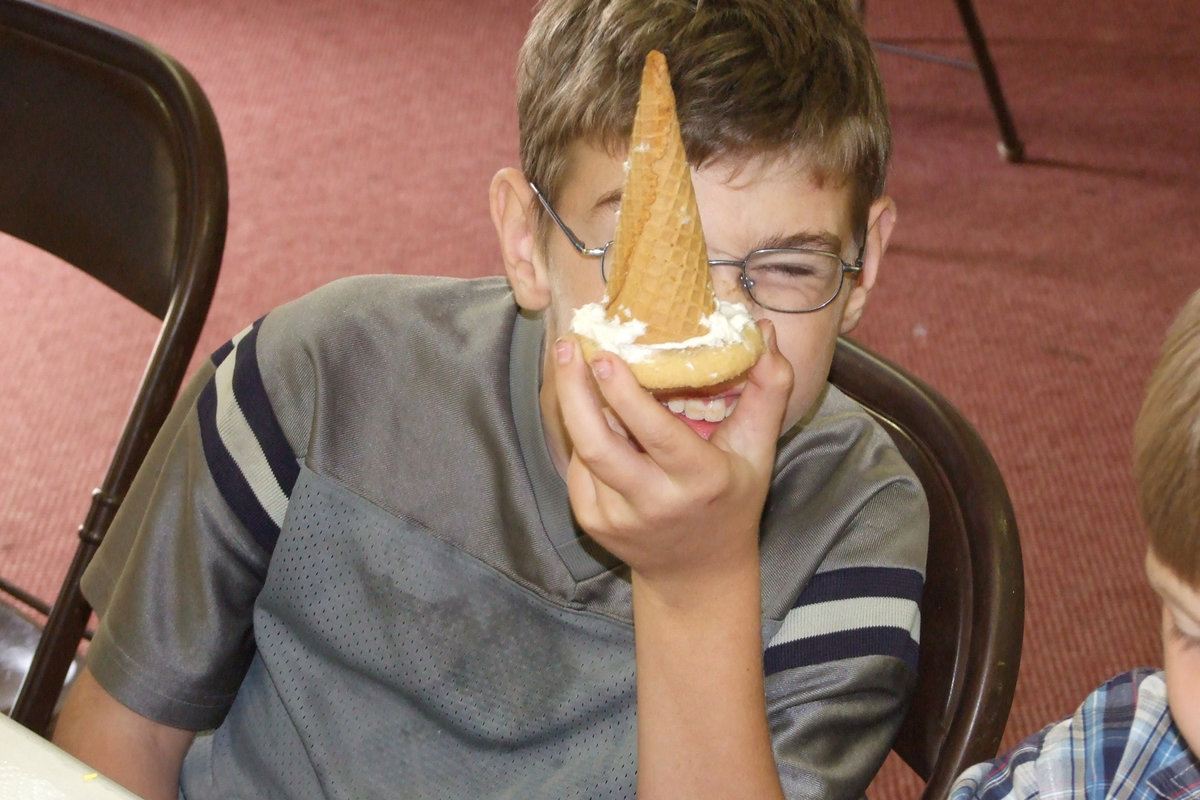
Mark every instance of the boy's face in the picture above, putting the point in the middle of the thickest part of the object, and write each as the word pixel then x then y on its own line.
pixel 743 207
pixel 1181 647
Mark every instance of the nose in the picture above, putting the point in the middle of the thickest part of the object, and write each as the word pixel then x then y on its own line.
pixel 727 282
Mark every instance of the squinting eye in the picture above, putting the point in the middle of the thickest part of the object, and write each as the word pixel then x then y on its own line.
pixel 790 266
pixel 794 266
pixel 788 269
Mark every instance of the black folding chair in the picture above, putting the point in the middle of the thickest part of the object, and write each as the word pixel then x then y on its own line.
pixel 973 610
pixel 112 161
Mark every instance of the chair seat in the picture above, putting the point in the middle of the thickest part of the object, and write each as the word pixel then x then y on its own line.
pixel 19 635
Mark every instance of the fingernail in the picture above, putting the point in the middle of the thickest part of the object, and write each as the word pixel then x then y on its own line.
pixel 768 332
pixel 602 368
pixel 562 351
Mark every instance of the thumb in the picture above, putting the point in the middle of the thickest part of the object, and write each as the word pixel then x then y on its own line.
pixel 754 426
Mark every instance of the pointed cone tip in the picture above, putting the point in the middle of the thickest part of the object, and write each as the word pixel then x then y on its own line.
pixel 660 272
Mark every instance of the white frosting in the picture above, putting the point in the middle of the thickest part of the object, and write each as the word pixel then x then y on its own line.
pixel 725 326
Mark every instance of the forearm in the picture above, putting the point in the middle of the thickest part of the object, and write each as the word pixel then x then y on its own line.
pixel 702 722
pixel 684 514
pixel 144 756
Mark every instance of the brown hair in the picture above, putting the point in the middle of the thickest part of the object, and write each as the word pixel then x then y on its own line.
pixel 751 77
pixel 1167 448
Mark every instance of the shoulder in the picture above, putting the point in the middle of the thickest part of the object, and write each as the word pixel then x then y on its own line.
pixel 389 301
pixel 853 433
pixel 332 367
pixel 362 333
pixel 845 444
pixel 843 496
pixel 363 326
pixel 1125 718
pixel 846 531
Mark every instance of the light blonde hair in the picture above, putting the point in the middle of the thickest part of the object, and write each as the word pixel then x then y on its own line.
pixel 775 78
pixel 1167 448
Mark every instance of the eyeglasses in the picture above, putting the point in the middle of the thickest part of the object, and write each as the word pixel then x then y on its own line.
pixel 790 280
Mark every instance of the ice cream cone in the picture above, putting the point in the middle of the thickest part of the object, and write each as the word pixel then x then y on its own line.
pixel 658 269
pixel 659 312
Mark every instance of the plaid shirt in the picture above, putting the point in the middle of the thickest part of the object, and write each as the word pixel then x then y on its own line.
pixel 1121 744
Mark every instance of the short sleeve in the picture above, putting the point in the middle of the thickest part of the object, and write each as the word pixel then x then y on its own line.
pixel 849 526
pixel 177 576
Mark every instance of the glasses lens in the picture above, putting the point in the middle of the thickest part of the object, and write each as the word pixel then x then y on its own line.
pixel 793 280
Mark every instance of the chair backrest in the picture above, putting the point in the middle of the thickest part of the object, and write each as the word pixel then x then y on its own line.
pixel 112 161
pixel 973 609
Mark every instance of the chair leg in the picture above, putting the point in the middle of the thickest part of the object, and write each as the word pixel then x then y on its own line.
pixel 67 623
pixel 1010 146
pixel 43 684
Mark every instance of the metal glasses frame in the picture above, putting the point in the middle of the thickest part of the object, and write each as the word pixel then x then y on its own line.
pixel 746 282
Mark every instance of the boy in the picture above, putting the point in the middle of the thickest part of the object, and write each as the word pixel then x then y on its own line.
pixel 1137 736
pixel 399 539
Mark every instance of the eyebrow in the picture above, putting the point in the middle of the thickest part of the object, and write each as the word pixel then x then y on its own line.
pixel 806 240
pixel 608 200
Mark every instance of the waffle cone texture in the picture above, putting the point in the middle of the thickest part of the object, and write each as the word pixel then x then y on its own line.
pixel 658 270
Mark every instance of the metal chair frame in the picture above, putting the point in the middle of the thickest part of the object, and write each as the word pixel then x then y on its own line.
pixel 972 612
pixel 113 161
pixel 1010 146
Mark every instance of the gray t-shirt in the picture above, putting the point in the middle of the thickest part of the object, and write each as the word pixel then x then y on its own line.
pixel 349 561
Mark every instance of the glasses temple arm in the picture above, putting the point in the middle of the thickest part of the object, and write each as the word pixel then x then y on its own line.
pixel 570 234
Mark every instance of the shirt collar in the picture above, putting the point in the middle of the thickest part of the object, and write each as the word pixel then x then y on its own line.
pixel 1179 778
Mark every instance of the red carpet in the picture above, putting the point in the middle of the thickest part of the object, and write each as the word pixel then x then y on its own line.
pixel 361 137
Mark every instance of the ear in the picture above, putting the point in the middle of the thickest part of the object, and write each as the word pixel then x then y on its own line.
pixel 511 200
pixel 880 221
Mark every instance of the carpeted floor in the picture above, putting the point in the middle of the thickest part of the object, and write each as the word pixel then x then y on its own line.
pixel 361 136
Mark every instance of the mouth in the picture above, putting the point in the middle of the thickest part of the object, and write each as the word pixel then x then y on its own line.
pixel 702 414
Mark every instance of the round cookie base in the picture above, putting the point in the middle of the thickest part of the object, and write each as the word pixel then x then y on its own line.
pixel 674 369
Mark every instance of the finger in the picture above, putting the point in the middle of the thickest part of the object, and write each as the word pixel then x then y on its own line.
pixel 600 509
pixel 665 440
pixel 581 488
pixel 754 427
pixel 594 439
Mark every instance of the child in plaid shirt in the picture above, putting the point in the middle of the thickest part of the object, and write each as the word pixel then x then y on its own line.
pixel 1136 736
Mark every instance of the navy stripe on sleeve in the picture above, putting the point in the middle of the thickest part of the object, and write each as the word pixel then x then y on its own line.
pixel 847 613
pixel 229 479
pixel 255 405
pixel 245 448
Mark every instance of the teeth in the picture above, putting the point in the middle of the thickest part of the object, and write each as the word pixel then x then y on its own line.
pixel 713 410
pixel 695 409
